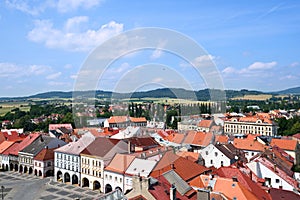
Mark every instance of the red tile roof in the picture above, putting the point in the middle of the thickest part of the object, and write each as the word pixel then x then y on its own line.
pixel 179 165
pixel 12 136
pixel 230 172
pixel 118 119
pixel 161 190
pixel 5 145
pixel 249 143
pixel 285 144
pixel 226 186
pixel 279 194
pixel 202 139
pixel 205 123
pixel 223 139
pixel 189 155
pixel 56 126
pixel 11 148
pixel 45 154
pixel 176 138
pixel 120 163
pixel 27 141
pixel 138 119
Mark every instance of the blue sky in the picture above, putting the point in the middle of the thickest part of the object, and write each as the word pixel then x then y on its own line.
pixel 45 43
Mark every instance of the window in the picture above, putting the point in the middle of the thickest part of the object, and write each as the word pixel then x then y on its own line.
pixel 110 177
pixel 121 180
pixel 116 179
pixel 211 161
pixel 49 164
pixel 216 154
pixel 206 152
pixel 277 180
pixel 222 163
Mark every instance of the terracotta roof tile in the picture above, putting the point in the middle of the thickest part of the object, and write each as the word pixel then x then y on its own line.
pixel 223 139
pixel 205 123
pixel 45 154
pixel 180 165
pixel 189 155
pixel 202 139
pixel 226 186
pixel 248 143
pixel 118 119
pixel 26 142
pixel 5 145
pixel 176 138
pixel 138 119
pixel 230 172
pixel 120 163
pixel 285 144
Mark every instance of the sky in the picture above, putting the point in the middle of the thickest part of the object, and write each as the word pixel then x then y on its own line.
pixel 45 45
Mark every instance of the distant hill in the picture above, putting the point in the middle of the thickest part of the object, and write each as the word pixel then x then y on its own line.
pixel 295 90
pixel 202 95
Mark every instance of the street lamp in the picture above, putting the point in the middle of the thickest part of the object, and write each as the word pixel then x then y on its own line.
pixel 2 188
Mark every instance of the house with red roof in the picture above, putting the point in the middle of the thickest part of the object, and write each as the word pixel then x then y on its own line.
pixel 272 173
pixel 290 146
pixel 232 172
pixel 229 187
pixel 13 151
pixel 250 125
pixel 44 163
pixel 205 125
pixel 249 145
pixel 11 135
pixel 185 168
pixel 124 121
pixel 114 172
pixel 220 155
pixel 4 159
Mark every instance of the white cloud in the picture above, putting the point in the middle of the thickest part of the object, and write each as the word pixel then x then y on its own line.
pixel 295 64
pixel 228 70
pixel 157 53
pixel 71 5
pixel 53 76
pixel 262 66
pixel 36 7
pixel 68 39
pixel 12 70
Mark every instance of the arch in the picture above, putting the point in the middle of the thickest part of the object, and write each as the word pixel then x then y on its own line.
pixel 3 167
pixel 21 169
pixel 85 182
pixel 96 185
pixel 11 167
pixel 49 173
pixel 16 167
pixel 59 176
pixel 118 188
pixel 67 177
pixel 74 179
pixel 25 169
pixel 35 172
pixel 108 188
pixel 30 170
pixel 6 167
pixel 40 173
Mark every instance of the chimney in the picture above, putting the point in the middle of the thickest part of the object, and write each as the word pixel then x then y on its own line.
pixel 172 166
pixel 129 147
pixel 173 192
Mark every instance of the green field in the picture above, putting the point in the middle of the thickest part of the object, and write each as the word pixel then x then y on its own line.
pixel 6 107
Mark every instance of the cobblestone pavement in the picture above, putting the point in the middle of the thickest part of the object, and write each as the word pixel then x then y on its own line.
pixel 22 186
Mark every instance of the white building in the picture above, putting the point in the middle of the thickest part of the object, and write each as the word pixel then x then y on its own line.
pixel 138 167
pixel 273 175
pixel 67 160
pixel 114 173
pixel 221 155
pixel 250 125
pixel 95 157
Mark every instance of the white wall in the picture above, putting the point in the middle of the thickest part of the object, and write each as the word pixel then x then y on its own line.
pixel 213 157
